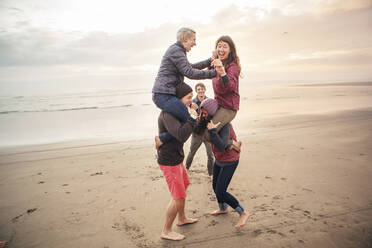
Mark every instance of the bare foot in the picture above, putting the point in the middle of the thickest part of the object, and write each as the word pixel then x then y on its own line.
pixel 187 221
pixel 219 211
pixel 172 236
pixel 236 146
pixel 158 142
pixel 242 219
pixel 3 244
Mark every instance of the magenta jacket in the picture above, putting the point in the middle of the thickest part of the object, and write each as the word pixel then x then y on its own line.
pixel 227 155
pixel 227 94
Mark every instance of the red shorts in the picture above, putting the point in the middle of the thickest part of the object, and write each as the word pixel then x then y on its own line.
pixel 177 180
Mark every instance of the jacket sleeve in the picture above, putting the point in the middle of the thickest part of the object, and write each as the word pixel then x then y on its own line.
pixel 220 140
pixel 185 68
pixel 233 76
pixel 176 129
pixel 202 64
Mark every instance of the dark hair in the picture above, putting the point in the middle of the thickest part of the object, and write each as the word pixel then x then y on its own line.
pixel 199 84
pixel 233 56
pixel 202 124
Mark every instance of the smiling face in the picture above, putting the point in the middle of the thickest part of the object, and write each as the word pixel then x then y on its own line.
pixel 223 50
pixel 187 99
pixel 189 42
pixel 200 90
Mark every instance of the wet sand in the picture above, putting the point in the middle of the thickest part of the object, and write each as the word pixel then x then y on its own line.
pixel 304 175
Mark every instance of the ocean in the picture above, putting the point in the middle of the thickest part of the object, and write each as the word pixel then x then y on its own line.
pixel 121 115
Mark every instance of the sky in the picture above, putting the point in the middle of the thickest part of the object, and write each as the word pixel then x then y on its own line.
pixel 86 45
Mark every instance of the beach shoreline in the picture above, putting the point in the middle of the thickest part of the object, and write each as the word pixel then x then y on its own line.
pixel 304 174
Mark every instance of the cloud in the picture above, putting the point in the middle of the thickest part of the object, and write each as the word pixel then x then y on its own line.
pixel 302 34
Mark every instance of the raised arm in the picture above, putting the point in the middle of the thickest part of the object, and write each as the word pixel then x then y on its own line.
pixel 221 139
pixel 230 81
pixel 185 68
pixel 176 129
pixel 202 64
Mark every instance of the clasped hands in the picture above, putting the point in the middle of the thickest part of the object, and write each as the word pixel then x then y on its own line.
pixel 217 64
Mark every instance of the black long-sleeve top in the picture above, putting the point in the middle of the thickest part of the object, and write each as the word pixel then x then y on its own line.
pixel 171 153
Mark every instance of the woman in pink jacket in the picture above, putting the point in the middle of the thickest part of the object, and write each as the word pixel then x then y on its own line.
pixel 226 84
pixel 226 162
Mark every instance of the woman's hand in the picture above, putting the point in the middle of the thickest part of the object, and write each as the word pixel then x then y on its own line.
pixel 192 111
pixel 217 62
pixel 211 125
pixel 214 55
pixel 220 71
pixel 194 106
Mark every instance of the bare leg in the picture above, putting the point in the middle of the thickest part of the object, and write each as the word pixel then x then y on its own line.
pixel 242 219
pixel 182 219
pixel 170 215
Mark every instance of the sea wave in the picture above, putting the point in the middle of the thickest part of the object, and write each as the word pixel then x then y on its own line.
pixel 68 109
pixel 75 101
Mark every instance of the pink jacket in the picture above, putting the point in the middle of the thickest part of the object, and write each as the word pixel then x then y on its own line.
pixel 227 155
pixel 227 95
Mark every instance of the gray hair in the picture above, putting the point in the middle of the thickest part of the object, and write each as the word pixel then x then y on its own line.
pixel 184 33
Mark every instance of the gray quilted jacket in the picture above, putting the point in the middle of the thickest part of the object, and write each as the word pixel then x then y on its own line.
pixel 175 66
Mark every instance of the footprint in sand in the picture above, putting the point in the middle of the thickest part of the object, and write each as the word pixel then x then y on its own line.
pixel 305 189
pixel 213 223
pixel 97 173
pixel 277 197
pixel 257 232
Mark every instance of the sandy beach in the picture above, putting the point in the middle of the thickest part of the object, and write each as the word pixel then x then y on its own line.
pixel 304 175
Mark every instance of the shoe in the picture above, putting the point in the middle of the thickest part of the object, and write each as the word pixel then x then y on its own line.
pixel 158 142
pixel 236 146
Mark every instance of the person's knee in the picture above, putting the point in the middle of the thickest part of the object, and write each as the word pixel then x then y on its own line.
pixel 219 194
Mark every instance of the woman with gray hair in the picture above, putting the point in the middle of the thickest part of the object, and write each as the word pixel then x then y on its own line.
pixel 173 68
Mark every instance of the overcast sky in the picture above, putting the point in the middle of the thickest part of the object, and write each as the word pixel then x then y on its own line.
pixel 113 44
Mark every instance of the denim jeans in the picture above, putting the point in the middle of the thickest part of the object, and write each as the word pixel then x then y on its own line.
pixel 172 105
pixel 221 179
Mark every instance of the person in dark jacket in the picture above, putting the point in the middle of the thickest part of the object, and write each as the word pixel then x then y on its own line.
pixel 170 160
pixel 197 140
pixel 173 68
pixel 226 162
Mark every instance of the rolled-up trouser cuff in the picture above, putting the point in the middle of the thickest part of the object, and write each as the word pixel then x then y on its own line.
pixel 239 209
pixel 222 206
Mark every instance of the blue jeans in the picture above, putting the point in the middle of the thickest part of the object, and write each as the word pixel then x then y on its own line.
pixel 172 105
pixel 221 180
